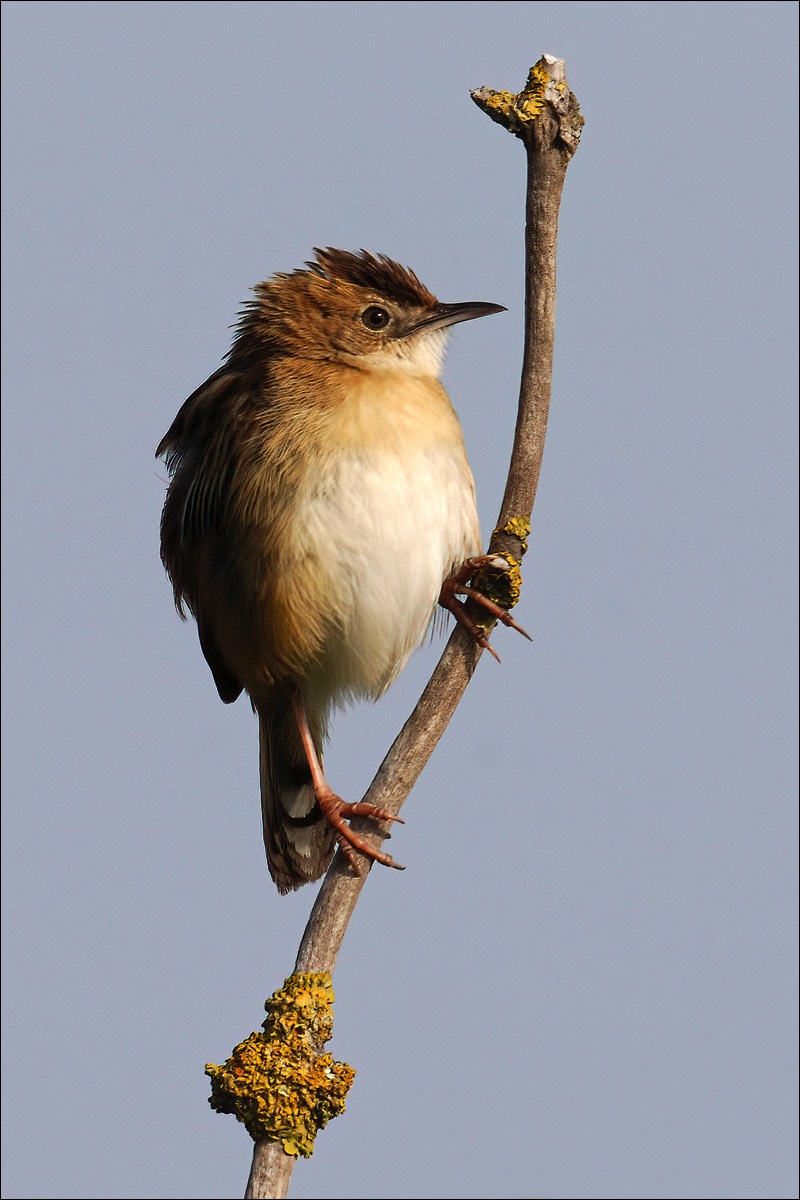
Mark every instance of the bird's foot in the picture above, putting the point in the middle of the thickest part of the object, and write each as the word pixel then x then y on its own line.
pixel 336 812
pixel 457 585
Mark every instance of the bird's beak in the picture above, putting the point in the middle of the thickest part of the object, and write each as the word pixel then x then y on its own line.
pixel 444 315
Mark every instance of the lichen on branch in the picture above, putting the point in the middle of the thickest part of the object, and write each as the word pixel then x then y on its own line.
pixel 278 1083
pixel 545 87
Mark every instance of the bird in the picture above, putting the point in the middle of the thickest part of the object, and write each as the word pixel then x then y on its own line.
pixel 320 507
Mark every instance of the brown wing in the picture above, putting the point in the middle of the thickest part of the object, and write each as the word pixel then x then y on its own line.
pixel 199 450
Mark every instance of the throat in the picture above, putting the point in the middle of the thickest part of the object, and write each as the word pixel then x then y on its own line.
pixel 419 354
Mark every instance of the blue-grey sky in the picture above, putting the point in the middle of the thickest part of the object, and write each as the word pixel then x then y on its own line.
pixel 583 984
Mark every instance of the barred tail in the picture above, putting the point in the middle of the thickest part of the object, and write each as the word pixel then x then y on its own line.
pixel 298 840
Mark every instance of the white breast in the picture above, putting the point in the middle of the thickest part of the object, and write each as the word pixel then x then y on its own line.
pixel 390 524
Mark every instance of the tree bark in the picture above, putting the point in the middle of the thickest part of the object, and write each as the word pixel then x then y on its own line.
pixel 545 116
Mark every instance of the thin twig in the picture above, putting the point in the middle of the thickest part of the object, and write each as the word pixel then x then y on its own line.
pixel 545 117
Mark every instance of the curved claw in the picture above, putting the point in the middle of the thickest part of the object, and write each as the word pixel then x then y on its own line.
pixel 498 612
pixel 457 585
pixel 350 843
pixel 476 633
pixel 335 810
pixel 362 809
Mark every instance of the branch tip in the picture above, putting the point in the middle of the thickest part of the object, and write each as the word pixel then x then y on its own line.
pixel 545 88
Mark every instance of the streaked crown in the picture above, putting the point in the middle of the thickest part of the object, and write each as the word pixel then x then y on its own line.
pixel 346 306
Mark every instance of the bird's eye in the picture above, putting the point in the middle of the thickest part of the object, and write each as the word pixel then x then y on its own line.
pixel 375 317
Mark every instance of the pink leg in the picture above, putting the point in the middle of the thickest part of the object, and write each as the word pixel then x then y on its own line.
pixel 334 809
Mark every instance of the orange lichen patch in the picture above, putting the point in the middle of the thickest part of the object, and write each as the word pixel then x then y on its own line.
pixel 277 1083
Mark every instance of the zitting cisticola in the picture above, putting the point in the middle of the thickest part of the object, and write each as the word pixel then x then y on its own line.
pixel 320 499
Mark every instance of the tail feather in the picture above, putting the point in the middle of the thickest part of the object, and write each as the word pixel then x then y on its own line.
pixel 298 840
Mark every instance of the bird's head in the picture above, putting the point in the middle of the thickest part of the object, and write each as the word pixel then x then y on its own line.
pixel 362 310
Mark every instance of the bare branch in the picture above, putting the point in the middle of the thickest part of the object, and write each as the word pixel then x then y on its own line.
pixel 545 116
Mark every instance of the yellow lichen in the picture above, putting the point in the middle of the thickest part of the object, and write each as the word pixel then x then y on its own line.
pixel 530 101
pixel 277 1083
pixel 515 111
pixel 518 527
pixel 501 102
pixel 502 586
